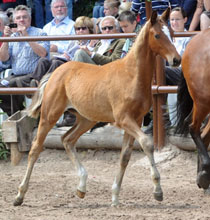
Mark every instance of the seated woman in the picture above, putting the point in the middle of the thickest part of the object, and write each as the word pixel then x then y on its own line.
pixel 83 25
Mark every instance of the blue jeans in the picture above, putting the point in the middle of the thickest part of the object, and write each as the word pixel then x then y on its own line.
pixel 70 8
pixel 98 11
pixel 43 13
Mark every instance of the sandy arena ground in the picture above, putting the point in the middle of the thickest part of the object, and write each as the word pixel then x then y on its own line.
pixel 51 193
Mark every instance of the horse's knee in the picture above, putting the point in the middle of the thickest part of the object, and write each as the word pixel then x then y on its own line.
pixel 147 144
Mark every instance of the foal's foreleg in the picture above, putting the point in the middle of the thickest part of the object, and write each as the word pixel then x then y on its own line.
pixel 124 159
pixel 69 139
pixel 132 128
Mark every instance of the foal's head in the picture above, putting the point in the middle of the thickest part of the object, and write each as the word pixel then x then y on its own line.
pixel 160 40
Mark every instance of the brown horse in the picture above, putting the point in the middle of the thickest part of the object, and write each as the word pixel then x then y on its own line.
pixel 193 104
pixel 118 92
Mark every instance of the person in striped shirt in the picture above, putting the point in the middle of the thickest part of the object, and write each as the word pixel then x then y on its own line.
pixel 139 7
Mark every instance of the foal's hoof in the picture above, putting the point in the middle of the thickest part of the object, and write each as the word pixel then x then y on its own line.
pixel 17 202
pixel 80 194
pixel 158 196
pixel 203 180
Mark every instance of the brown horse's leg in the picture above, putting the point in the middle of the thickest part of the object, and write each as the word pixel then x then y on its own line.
pixel 69 139
pixel 203 177
pixel 36 149
pixel 132 128
pixel 45 125
pixel 124 159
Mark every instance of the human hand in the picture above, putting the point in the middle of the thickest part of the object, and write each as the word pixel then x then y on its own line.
pixel 7 31
pixel 22 30
pixel 86 50
pixel 93 43
pixel 53 48
pixel 66 56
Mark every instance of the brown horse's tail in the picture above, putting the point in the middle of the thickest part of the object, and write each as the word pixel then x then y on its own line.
pixel 184 108
pixel 34 109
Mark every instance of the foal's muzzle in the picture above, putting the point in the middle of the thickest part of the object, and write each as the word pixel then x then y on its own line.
pixel 176 62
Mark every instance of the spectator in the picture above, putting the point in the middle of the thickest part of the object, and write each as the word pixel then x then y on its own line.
pixel 23 56
pixel 106 50
pixel 111 8
pixel 128 24
pixel 83 25
pixel 205 16
pixel 60 25
pixel 42 12
pixel 194 25
pixel 159 5
pixel 5 4
pixel 4 20
pixel 177 20
pixel 124 6
pixel 98 9
pixel 189 6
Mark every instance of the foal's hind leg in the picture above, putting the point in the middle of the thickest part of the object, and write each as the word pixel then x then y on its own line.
pixel 124 159
pixel 132 128
pixel 36 149
pixel 69 139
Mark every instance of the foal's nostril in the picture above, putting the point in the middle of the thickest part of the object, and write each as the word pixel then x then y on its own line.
pixel 176 62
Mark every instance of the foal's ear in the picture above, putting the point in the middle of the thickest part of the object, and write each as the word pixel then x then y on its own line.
pixel 165 15
pixel 153 18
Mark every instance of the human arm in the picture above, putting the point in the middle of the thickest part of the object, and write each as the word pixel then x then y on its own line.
pixel 113 53
pixel 135 6
pixel 36 47
pixel 196 17
pixel 4 50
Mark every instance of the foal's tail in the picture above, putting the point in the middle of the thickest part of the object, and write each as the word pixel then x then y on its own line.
pixel 184 108
pixel 35 107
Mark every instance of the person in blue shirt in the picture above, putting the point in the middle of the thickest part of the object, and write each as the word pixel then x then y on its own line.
pixel 60 25
pixel 139 7
pixel 23 56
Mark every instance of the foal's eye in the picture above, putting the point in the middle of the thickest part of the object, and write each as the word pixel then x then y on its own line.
pixel 157 36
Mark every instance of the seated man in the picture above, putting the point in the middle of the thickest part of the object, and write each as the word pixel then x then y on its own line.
pixel 23 56
pixel 60 25
pixel 128 24
pixel 106 50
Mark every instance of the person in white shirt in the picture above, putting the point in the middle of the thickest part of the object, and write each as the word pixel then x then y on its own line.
pixel 173 75
pixel 60 25
pixel 177 20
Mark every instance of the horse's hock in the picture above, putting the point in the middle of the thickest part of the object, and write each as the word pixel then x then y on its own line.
pixel 17 134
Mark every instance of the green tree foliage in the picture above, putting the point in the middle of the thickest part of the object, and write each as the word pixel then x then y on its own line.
pixel 4 153
pixel 83 8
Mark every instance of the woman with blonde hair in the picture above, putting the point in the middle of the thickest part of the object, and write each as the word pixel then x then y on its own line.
pixel 111 8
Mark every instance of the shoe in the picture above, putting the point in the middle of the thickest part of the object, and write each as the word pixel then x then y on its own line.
pixel 149 129
pixel 34 83
pixel 68 120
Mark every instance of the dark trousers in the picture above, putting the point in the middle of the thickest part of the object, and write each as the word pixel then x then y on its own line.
pixel 46 66
pixel 12 103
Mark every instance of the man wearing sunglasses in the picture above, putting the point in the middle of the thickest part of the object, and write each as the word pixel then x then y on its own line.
pixel 106 50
